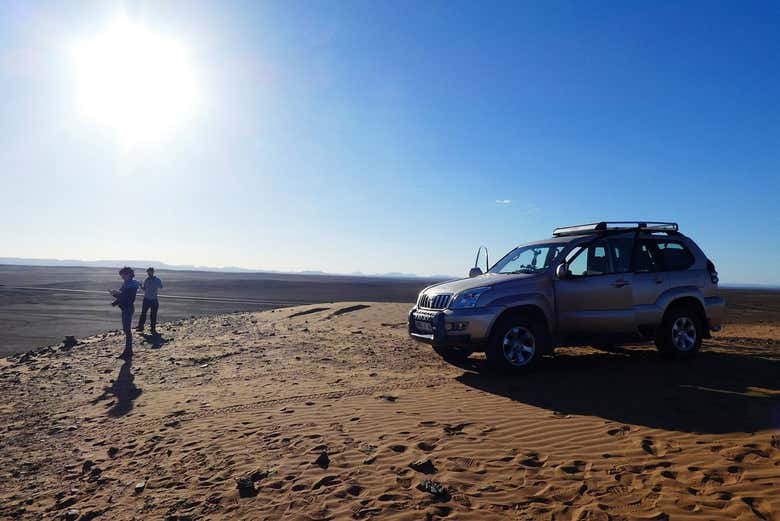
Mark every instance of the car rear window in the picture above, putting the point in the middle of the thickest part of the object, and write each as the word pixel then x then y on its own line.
pixel 674 255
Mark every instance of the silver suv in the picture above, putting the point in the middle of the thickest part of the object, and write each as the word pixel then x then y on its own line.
pixel 596 284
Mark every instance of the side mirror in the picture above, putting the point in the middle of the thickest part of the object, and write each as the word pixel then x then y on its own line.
pixel 476 271
pixel 562 271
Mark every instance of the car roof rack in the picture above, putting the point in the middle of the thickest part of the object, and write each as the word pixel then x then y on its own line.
pixel 616 226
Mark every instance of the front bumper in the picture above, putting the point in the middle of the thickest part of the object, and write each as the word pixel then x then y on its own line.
pixel 451 328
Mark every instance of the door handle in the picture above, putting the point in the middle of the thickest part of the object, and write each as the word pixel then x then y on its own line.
pixel 659 281
pixel 620 283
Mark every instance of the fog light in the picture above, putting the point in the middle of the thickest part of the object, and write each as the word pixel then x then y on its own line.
pixel 457 326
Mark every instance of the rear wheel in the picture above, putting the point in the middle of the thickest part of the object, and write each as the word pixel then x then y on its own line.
pixel 681 332
pixel 516 343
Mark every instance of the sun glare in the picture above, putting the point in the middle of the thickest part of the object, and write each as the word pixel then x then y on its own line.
pixel 137 82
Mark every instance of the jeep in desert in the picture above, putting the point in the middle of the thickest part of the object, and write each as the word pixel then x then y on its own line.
pixel 598 284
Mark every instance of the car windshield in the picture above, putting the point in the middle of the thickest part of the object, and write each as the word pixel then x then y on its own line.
pixel 528 259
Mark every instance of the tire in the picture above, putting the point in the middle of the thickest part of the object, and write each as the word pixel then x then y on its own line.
pixel 453 354
pixel 681 332
pixel 516 343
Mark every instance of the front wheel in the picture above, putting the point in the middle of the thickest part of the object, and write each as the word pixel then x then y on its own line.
pixel 516 343
pixel 681 333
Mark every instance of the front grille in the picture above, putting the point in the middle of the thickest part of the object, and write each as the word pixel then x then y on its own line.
pixel 434 301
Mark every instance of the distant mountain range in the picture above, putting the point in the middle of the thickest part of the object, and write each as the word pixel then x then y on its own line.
pixel 22 261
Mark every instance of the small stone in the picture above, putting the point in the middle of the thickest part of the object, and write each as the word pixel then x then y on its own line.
pixel 140 486
pixel 71 515
pixel 323 460
pixel 112 451
pixel 259 475
pixel 86 466
pixel 246 487
pixel 434 488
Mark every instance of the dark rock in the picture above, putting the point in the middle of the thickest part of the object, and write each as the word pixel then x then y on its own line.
pixel 112 452
pixel 259 475
pixel 246 487
pixel 425 466
pixel 86 466
pixel 434 488
pixel 139 487
pixel 71 515
pixel 323 460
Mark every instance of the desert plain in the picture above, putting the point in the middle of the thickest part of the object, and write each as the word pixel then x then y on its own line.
pixel 327 410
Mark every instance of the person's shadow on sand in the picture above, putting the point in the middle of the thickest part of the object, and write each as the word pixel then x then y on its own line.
pixel 156 340
pixel 714 393
pixel 123 389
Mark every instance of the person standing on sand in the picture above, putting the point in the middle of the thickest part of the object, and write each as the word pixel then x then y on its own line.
pixel 125 299
pixel 150 287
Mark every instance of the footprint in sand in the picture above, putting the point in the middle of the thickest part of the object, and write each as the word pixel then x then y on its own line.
pixel 453 430
pixel 327 481
pixel 574 467
pixel 619 431
pixel 760 507
pixel 354 490
pixel 649 446
pixel 427 447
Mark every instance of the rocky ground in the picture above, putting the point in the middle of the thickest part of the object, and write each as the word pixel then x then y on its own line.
pixel 331 412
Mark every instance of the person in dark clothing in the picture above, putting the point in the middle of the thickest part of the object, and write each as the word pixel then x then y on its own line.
pixel 150 302
pixel 125 299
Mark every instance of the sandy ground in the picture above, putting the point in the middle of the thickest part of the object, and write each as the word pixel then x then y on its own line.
pixel 331 412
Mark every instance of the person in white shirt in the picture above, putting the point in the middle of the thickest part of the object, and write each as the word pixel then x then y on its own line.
pixel 150 287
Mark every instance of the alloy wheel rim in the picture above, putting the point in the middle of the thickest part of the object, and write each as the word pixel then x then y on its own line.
pixel 683 334
pixel 519 346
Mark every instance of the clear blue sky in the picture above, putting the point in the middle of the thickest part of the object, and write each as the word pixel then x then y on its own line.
pixel 346 136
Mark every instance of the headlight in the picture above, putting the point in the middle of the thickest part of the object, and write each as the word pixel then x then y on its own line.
pixel 468 298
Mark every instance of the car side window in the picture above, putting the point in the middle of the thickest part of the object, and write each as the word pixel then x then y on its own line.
pixel 645 257
pixel 674 255
pixel 589 260
pixel 621 249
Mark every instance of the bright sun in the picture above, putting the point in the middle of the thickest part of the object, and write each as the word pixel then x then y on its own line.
pixel 139 83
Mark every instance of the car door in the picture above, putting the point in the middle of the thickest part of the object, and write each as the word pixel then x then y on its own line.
pixel 650 281
pixel 594 299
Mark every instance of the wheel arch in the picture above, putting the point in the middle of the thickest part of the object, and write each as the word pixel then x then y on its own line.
pixel 691 301
pixel 534 311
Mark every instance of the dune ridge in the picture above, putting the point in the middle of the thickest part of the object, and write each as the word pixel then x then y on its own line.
pixel 330 412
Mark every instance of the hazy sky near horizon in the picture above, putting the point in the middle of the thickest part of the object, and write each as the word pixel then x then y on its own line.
pixel 385 136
